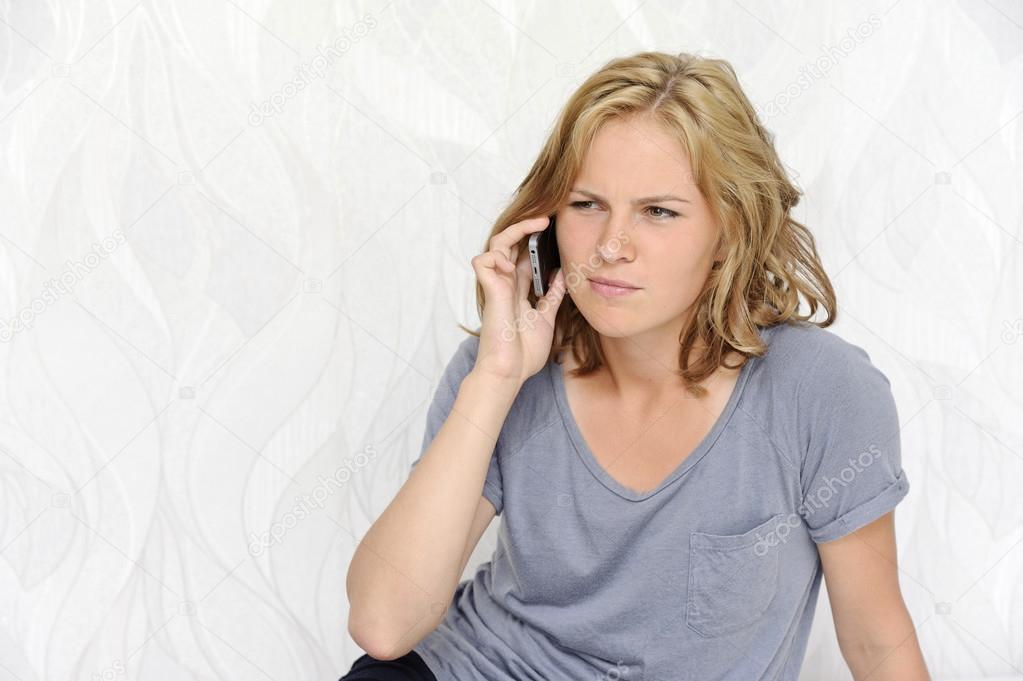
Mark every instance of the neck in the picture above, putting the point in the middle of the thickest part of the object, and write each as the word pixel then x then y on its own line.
pixel 640 370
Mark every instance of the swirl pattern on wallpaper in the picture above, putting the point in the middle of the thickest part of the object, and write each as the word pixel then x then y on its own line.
pixel 235 241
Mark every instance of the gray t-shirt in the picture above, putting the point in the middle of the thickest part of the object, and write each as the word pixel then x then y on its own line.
pixel 712 575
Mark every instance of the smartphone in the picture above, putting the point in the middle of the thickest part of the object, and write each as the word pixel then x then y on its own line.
pixel 543 257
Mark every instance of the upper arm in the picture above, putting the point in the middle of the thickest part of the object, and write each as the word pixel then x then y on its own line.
pixel 861 574
pixel 485 513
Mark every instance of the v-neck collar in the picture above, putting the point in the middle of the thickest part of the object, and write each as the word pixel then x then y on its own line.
pixel 556 371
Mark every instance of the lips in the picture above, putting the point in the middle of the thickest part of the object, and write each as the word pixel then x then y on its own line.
pixel 613 282
pixel 609 291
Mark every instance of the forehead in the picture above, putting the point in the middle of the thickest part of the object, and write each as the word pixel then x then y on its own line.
pixel 635 155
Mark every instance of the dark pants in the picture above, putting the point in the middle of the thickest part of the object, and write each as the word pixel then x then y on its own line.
pixel 408 667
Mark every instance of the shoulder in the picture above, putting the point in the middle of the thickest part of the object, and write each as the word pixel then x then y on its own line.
pixel 814 355
pixel 457 366
pixel 468 348
pixel 462 360
pixel 824 375
pixel 839 393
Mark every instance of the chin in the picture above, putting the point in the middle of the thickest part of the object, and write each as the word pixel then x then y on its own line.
pixel 613 324
pixel 620 323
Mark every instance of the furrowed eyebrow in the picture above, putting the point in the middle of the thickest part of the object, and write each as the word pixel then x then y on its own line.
pixel 647 199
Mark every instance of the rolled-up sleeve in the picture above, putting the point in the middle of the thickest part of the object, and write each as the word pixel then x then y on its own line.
pixel 851 473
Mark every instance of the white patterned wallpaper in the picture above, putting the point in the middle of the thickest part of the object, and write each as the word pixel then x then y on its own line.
pixel 235 242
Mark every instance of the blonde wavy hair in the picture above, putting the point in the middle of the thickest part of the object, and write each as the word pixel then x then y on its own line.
pixel 771 258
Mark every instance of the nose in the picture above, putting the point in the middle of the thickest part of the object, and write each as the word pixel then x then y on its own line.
pixel 616 241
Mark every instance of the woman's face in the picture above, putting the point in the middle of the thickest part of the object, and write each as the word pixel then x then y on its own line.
pixel 665 247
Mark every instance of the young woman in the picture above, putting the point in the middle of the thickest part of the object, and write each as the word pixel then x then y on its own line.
pixel 678 455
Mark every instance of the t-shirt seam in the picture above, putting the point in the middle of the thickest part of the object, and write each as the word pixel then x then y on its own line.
pixel 802 382
pixel 767 433
pixel 495 491
pixel 525 442
pixel 799 413
pixel 896 488
pixel 774 445
pixel 504 455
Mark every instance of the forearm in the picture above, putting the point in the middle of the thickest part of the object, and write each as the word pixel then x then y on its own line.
pixel 899 659
pixel 405 569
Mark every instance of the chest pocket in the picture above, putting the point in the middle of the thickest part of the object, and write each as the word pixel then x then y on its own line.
pixel 732 578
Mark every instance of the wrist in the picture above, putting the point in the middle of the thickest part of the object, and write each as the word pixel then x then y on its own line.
pixel 489 383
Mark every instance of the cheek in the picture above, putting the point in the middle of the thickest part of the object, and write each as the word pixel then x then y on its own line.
pixel 579 250
pixel 679 273
pixel 690 251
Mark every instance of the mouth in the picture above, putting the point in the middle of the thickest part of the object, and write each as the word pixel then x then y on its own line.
pixel 611 288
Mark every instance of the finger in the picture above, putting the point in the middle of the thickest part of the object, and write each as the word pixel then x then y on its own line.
pixel 486 262
pixel 512 235
pixel 505 264
pixel 483 261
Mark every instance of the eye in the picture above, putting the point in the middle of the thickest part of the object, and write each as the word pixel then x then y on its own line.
pixel 667 214
pixel 664 213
